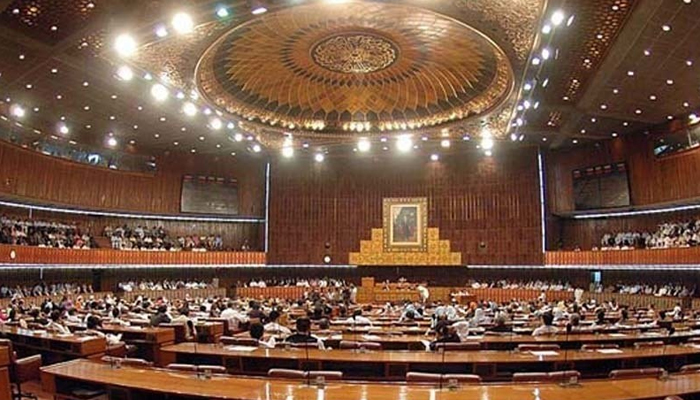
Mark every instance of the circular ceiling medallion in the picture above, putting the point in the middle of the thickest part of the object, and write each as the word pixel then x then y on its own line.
pixel 359 66
pixel 354 53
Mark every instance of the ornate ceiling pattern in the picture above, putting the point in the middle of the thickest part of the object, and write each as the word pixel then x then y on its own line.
pixel 374 66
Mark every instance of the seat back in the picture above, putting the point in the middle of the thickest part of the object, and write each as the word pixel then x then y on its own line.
pixel 182 367
pixel 690 368
pixel 134 362
pixel 597 346
pixel 350 344
pixel 561 376
pixel 286 373
pixel 231 340
pixel 653 343
pixel 425 377
pixel 635 373
pixel 530 377
pixel 462 346
pixel 327 375
pixel 8 343
pixel 537 347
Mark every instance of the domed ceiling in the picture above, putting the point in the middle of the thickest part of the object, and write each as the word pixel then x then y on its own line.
pixel 362 67
pixel 327 72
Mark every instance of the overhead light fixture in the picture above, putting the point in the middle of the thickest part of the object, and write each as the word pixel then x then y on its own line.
pixel 557 17
pixel 487 143
pixel 125 73
pixel 434 157
pixel 17 111
pixel 404 143
pixel 536 61
pixel 287 151
pixel 238 137
pixel 63 129
pixel 319 157
pixel 488 153
pixel 445 143
pixel 125 45
pixel 111 141
pixel 545 54
pixel 257 10
pixel 547 29
pixel 256 148
pixel 161 31
pixel 189 109
pixel 159 92
pixel 222 12
pixel 215 123
pixel 363 145
pixel 666 28
pixel 182 23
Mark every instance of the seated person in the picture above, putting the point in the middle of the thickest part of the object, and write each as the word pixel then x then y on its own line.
pixel 273 326
pixel 358 319
pixel 546 328
pixel 499 325
pixel 303 334
pixel 56 323
pixel 445 334
pixel 161 316
pixel 257 331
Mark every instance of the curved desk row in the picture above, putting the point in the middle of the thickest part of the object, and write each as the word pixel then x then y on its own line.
pixel 393 365
pixel 130 382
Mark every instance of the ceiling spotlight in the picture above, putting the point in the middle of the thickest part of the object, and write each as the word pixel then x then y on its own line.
pixel 257 148
pixel 545 54
pixel 125 73
pixel 557 17
pixel 363 145
pixel 647 53
pixel 630 73
pixel 182 23
pixel 434 157
pixel 666 28
pixel 287 151
pixel 319 157
pixel 614 134
pixel 570 20
pixel 222 12
pixel 125 45
pixel 487 143
pixel 547 29
pixel 159 92
pixel 111 142
pixel 238 137
pixel 161 31
pixel 638 111
pixel 63 129
pixel 404 143
pixel 258 9
pixel 669 82
pixel 445 143
pixel 189 109
pixel 17 111
pixel 527 87
pixel 215 124
pixel 488 153
pixel 536 61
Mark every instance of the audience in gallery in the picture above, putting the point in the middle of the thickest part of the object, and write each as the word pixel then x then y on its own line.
pixel 667 235
pixel 532 285
pixel 156 239
pixel 665 290
pixel 29 232
pixel 44 289
pixel 130 286
pixel 291 282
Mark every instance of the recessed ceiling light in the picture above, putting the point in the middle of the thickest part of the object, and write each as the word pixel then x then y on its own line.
pixel 445 143
pixel 159 92
pixel 363 145
pixel 434 157
pixel 593 120
pixel 557 17
pixel 544 139
pixel 162 119
pixel 689 63
pixel 22 57
pixel 113 97
pixel 29 86
pixel 112 117
pixel 652 97
pixel 161 31
pixel 86 83
pixel 88 126
pixel 125 73
pixel 182 23
pixel 258 10
pixel 319 157
pixel 54 70
pixel 189 109
pixel 630 73
pixel 156 135
pixel 86 108
pixel 136 127
pixel 201 138
pixel 603 106
pixel 176 143
pixel 616 91
pixel 218 145
pixel 111 141
pixel 125 45
pixel 257 148
pixel 647 53
pixel 583 131
pixel 614 134
pixel 666 28
pixel 59 97
pixel 536 61
pixel 574 141
pixel 669 81
pixel 638 111
pixel 17 111
pixel 669 117
pixel 686 104
pixel 193 151
pixel 625 123
pixel 404 143
pixel 222 12
pixel 215 124
pixel 287 151
pixel 36 109
pixel 547 29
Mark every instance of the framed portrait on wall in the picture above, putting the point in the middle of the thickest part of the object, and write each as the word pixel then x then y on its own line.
pixel 405 224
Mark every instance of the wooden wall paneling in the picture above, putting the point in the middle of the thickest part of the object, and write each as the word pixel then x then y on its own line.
pixel 28 174
pixel 471 199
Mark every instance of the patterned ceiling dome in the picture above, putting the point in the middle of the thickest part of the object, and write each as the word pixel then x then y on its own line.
pixel 355 66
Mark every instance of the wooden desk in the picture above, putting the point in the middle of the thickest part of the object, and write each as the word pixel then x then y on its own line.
pixel 147 340
pixel 53 347
pixel 393 365
pixel 5 393
pixel 155 383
